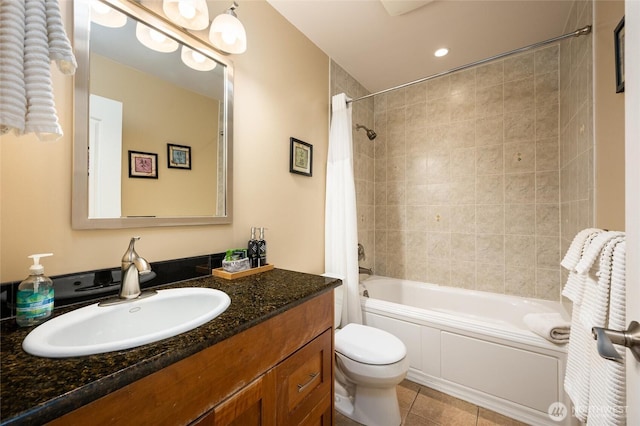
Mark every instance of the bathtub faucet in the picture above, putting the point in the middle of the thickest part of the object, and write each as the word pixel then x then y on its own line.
pixel 367 271
pixel 361 255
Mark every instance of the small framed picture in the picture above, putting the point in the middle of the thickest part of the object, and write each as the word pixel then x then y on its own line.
pixel 618 39
pixel 178 156
pixel 143 165
pixel 301 157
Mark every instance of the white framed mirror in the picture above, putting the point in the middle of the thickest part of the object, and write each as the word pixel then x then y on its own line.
pixel 153 124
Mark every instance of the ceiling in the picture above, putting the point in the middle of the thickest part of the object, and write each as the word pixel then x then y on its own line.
pixel 382 51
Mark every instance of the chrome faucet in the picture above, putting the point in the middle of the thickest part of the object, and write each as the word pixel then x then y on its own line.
pixel 133 265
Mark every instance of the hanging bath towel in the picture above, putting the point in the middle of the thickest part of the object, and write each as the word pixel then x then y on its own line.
pixel 31 36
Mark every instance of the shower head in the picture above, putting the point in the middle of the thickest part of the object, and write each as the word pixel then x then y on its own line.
pixel 370 133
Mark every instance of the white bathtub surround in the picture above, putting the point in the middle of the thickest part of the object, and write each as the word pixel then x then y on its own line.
pixel 550 326
pixel 596 286
pixel 31 36
pixel 341 225
pixel 473 345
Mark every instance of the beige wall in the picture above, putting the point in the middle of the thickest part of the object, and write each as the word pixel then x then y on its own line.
pixel 157 112
pixel 609 120
pixel 281 87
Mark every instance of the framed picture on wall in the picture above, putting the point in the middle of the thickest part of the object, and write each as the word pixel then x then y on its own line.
pixel 143 165
pixel 178 156
pixel 618 39
pixel 300 157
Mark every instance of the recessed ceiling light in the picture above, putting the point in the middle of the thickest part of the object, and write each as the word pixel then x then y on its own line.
pixel 441 52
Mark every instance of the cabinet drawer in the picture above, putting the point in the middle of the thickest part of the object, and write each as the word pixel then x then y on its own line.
pixel 304 380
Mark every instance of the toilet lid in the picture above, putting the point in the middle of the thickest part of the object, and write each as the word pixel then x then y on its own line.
pixel 369 345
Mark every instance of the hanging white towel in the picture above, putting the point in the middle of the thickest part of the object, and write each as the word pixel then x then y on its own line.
pixel 595 303
pixel 593 251
pixel 574 287
pixel 573 255
pixel 607 393
pixel 31 36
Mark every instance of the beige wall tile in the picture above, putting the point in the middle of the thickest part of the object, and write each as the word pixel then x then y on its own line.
pixel 489 160
pixel 520 219
pixel 490 189
pixel 519 94
pixel 462 134
pixel 519 250
pixel 519 125
pixel 416 194
pixel 548 284
pixel 438 218
pixel 490 249
pixel 546 151
pixel 463 247
pixel 462 105
pixel 439 245
pixel 519 157
pixel 463 218
pixel 489 100
pixel 546 88
pixel 490 219
pixel 519 188
pixel 547 252
pixel 490 130
pixel 548 219
pixel 490 278
pixel 547 60
pixel 490 74
pixel 438 88
pixel 547 187
pixel 438 110
pixel 463 274
pixel 519 67
pixel 463 191
pixel 520 281
pixel 439 271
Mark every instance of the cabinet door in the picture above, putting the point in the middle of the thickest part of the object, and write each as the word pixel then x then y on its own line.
pixel 304 382
pixel 252 405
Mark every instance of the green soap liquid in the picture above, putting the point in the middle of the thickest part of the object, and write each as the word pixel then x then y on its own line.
pixel 33 307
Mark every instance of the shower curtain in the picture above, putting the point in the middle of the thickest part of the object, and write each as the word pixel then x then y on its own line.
pixel 341 225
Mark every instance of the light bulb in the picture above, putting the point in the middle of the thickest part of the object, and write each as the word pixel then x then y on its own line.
pixel 198 57
pixel 187 9
pixel 157 36
pixel 100 8
pixel 229 37
pixel 441 52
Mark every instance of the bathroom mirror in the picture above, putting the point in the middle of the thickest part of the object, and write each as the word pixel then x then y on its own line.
pixel 153 121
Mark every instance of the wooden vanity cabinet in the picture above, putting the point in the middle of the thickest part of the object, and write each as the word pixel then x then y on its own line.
pixel 279 372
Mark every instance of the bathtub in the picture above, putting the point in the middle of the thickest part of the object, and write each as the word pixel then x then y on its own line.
pixel 473 345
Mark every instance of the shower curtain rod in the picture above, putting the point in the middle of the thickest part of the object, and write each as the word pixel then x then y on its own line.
pixel 582 31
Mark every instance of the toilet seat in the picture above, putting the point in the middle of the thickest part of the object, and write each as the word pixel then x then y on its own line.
pixel 369 345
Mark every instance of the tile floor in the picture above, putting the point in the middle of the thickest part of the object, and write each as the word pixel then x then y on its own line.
pixel 422 406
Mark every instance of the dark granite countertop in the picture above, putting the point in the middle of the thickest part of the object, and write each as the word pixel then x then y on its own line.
pixel 34 390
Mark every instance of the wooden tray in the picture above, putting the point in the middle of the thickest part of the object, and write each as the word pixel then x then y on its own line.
pixel 221 273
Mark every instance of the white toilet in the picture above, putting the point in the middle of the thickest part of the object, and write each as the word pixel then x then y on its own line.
pixel 369 364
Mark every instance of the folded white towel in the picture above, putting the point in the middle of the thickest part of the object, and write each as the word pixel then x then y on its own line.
pixel 574 253
pixel 549 325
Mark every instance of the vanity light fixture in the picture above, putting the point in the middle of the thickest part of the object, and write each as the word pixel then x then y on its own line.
pixel 227 32
pixel 441 52
pixel 190 14
pixel 106 16
pixel 196 60
pixel 154 39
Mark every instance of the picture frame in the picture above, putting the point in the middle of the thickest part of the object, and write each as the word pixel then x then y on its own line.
pixel 618 39
pixel 143 165
pixel 178 156
pixel 301 157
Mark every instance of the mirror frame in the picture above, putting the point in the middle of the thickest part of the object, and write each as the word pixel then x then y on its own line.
pixel 80 183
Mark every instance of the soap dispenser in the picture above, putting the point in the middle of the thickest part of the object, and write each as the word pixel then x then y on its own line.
pixel 35 295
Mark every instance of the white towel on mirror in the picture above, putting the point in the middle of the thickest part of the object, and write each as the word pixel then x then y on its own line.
pixel 549 325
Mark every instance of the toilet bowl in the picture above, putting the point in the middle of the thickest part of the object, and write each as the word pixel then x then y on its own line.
pixel 369 364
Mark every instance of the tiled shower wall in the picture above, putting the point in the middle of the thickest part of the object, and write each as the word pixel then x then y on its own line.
pixel 467 178
pixel 479 179
pixel 576 128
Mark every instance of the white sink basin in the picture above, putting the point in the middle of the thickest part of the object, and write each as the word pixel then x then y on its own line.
pixel 97 329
